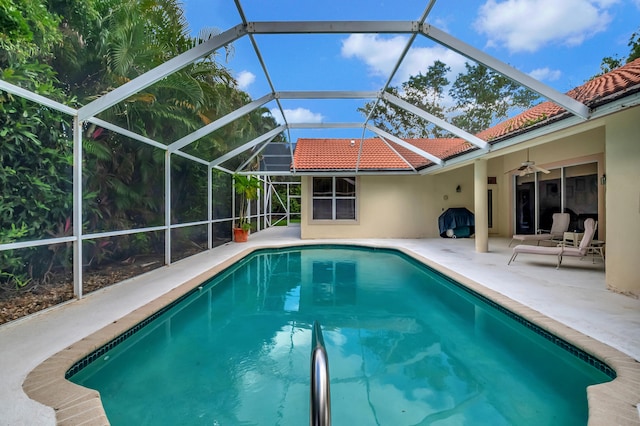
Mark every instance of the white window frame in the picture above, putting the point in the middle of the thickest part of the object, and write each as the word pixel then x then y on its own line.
pixel 334 198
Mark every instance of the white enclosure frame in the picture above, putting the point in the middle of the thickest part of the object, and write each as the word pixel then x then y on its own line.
pixel 419 28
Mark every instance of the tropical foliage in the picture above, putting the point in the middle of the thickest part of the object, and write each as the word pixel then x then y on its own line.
pixel 247 187
pixel 74 51
pixel 610 63
pixel 35 153
pixel 426 91
pixel 478 98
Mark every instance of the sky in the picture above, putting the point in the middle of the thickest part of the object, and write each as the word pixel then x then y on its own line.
pixel 559 42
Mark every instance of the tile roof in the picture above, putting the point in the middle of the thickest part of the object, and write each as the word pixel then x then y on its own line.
pixel 616 84
pixel 342 154
pixel 376 154
pixel 338 154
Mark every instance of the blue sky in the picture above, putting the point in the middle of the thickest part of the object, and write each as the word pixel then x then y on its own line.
pixel 560 42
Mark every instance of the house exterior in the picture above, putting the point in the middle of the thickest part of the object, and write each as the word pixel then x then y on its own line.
pixel 375 188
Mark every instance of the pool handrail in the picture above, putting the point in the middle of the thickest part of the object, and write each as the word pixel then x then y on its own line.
pixel 320 400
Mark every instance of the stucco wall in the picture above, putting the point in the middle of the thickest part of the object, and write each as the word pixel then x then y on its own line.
pixel 388 207
pixel 444 194
pixel 409 206
pixel 623 202
pixel 560 147
pixel 394 206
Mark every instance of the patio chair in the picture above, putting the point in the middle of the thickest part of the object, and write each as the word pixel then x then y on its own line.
pixel 558 228
pixel 561 250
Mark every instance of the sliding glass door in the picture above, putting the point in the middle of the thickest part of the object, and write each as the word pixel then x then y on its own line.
pixel 549 196
pixel 570 189
pixel 581 193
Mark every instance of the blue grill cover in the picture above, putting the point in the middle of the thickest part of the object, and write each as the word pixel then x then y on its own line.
pixel 460 220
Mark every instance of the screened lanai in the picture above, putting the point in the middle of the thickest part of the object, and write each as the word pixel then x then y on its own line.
pixel 158 129
pixel 124 124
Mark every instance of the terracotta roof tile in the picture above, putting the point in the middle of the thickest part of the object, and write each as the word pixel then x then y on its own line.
pixel 598 91
pixel 338 154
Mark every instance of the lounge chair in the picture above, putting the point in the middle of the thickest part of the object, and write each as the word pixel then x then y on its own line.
pixel 558 228
pixel 561 250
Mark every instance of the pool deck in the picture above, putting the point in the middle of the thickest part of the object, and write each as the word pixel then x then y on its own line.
pixel 574 296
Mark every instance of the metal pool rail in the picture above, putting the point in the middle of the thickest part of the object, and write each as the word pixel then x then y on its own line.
pixel 320 403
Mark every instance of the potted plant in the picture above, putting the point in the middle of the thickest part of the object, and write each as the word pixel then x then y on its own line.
pixel 247 187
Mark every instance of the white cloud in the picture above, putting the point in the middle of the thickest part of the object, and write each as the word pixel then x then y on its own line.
pixel 298 115
pixel 545 74
pixel 381 55
pixel 245 79
pixel 529 25
pixel 420 58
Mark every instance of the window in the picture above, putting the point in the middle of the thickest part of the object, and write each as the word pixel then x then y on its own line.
pixel 334 198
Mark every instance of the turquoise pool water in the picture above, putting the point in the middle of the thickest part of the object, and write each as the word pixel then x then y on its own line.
pixel 406 346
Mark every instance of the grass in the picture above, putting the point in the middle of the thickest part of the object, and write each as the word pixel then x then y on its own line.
pixel 284 222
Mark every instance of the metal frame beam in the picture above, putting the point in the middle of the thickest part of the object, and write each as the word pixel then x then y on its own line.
pixel 258 53
pixel 399 62
pixel 508 71
pixel 321 27
pixel 392 148
pixel 404 144
pixel 27 94
pixel 127 133
pixel 269 135
pixel 167 208
pixel 436 120
pixel 327 94
pixel 223 121
pixel 332 27
pixel 209 207
pixel 77 207
pixel 158 73
pixel 325 125
pixel 255 154
pixel 191 157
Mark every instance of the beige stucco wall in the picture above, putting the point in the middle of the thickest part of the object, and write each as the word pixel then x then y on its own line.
pixel 387 207
pixel 444 194
pixel 623 202
pixel 394 206
pixel 409 206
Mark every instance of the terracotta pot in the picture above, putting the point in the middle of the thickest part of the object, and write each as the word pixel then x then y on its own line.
pixel 240 235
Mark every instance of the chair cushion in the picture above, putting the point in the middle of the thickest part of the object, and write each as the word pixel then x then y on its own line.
pixel 532 237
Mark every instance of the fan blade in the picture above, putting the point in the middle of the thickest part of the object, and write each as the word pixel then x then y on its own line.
pixel 519 170
pixel 541 169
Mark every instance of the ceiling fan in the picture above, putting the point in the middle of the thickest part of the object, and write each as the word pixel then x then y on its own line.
pixel 529 167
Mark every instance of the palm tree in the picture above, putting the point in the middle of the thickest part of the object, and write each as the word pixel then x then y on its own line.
pixel 247 186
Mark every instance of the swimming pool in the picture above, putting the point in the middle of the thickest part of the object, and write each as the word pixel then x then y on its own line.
pixel 405 344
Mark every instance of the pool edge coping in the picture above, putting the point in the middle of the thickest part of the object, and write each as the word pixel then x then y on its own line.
pixel 613 402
